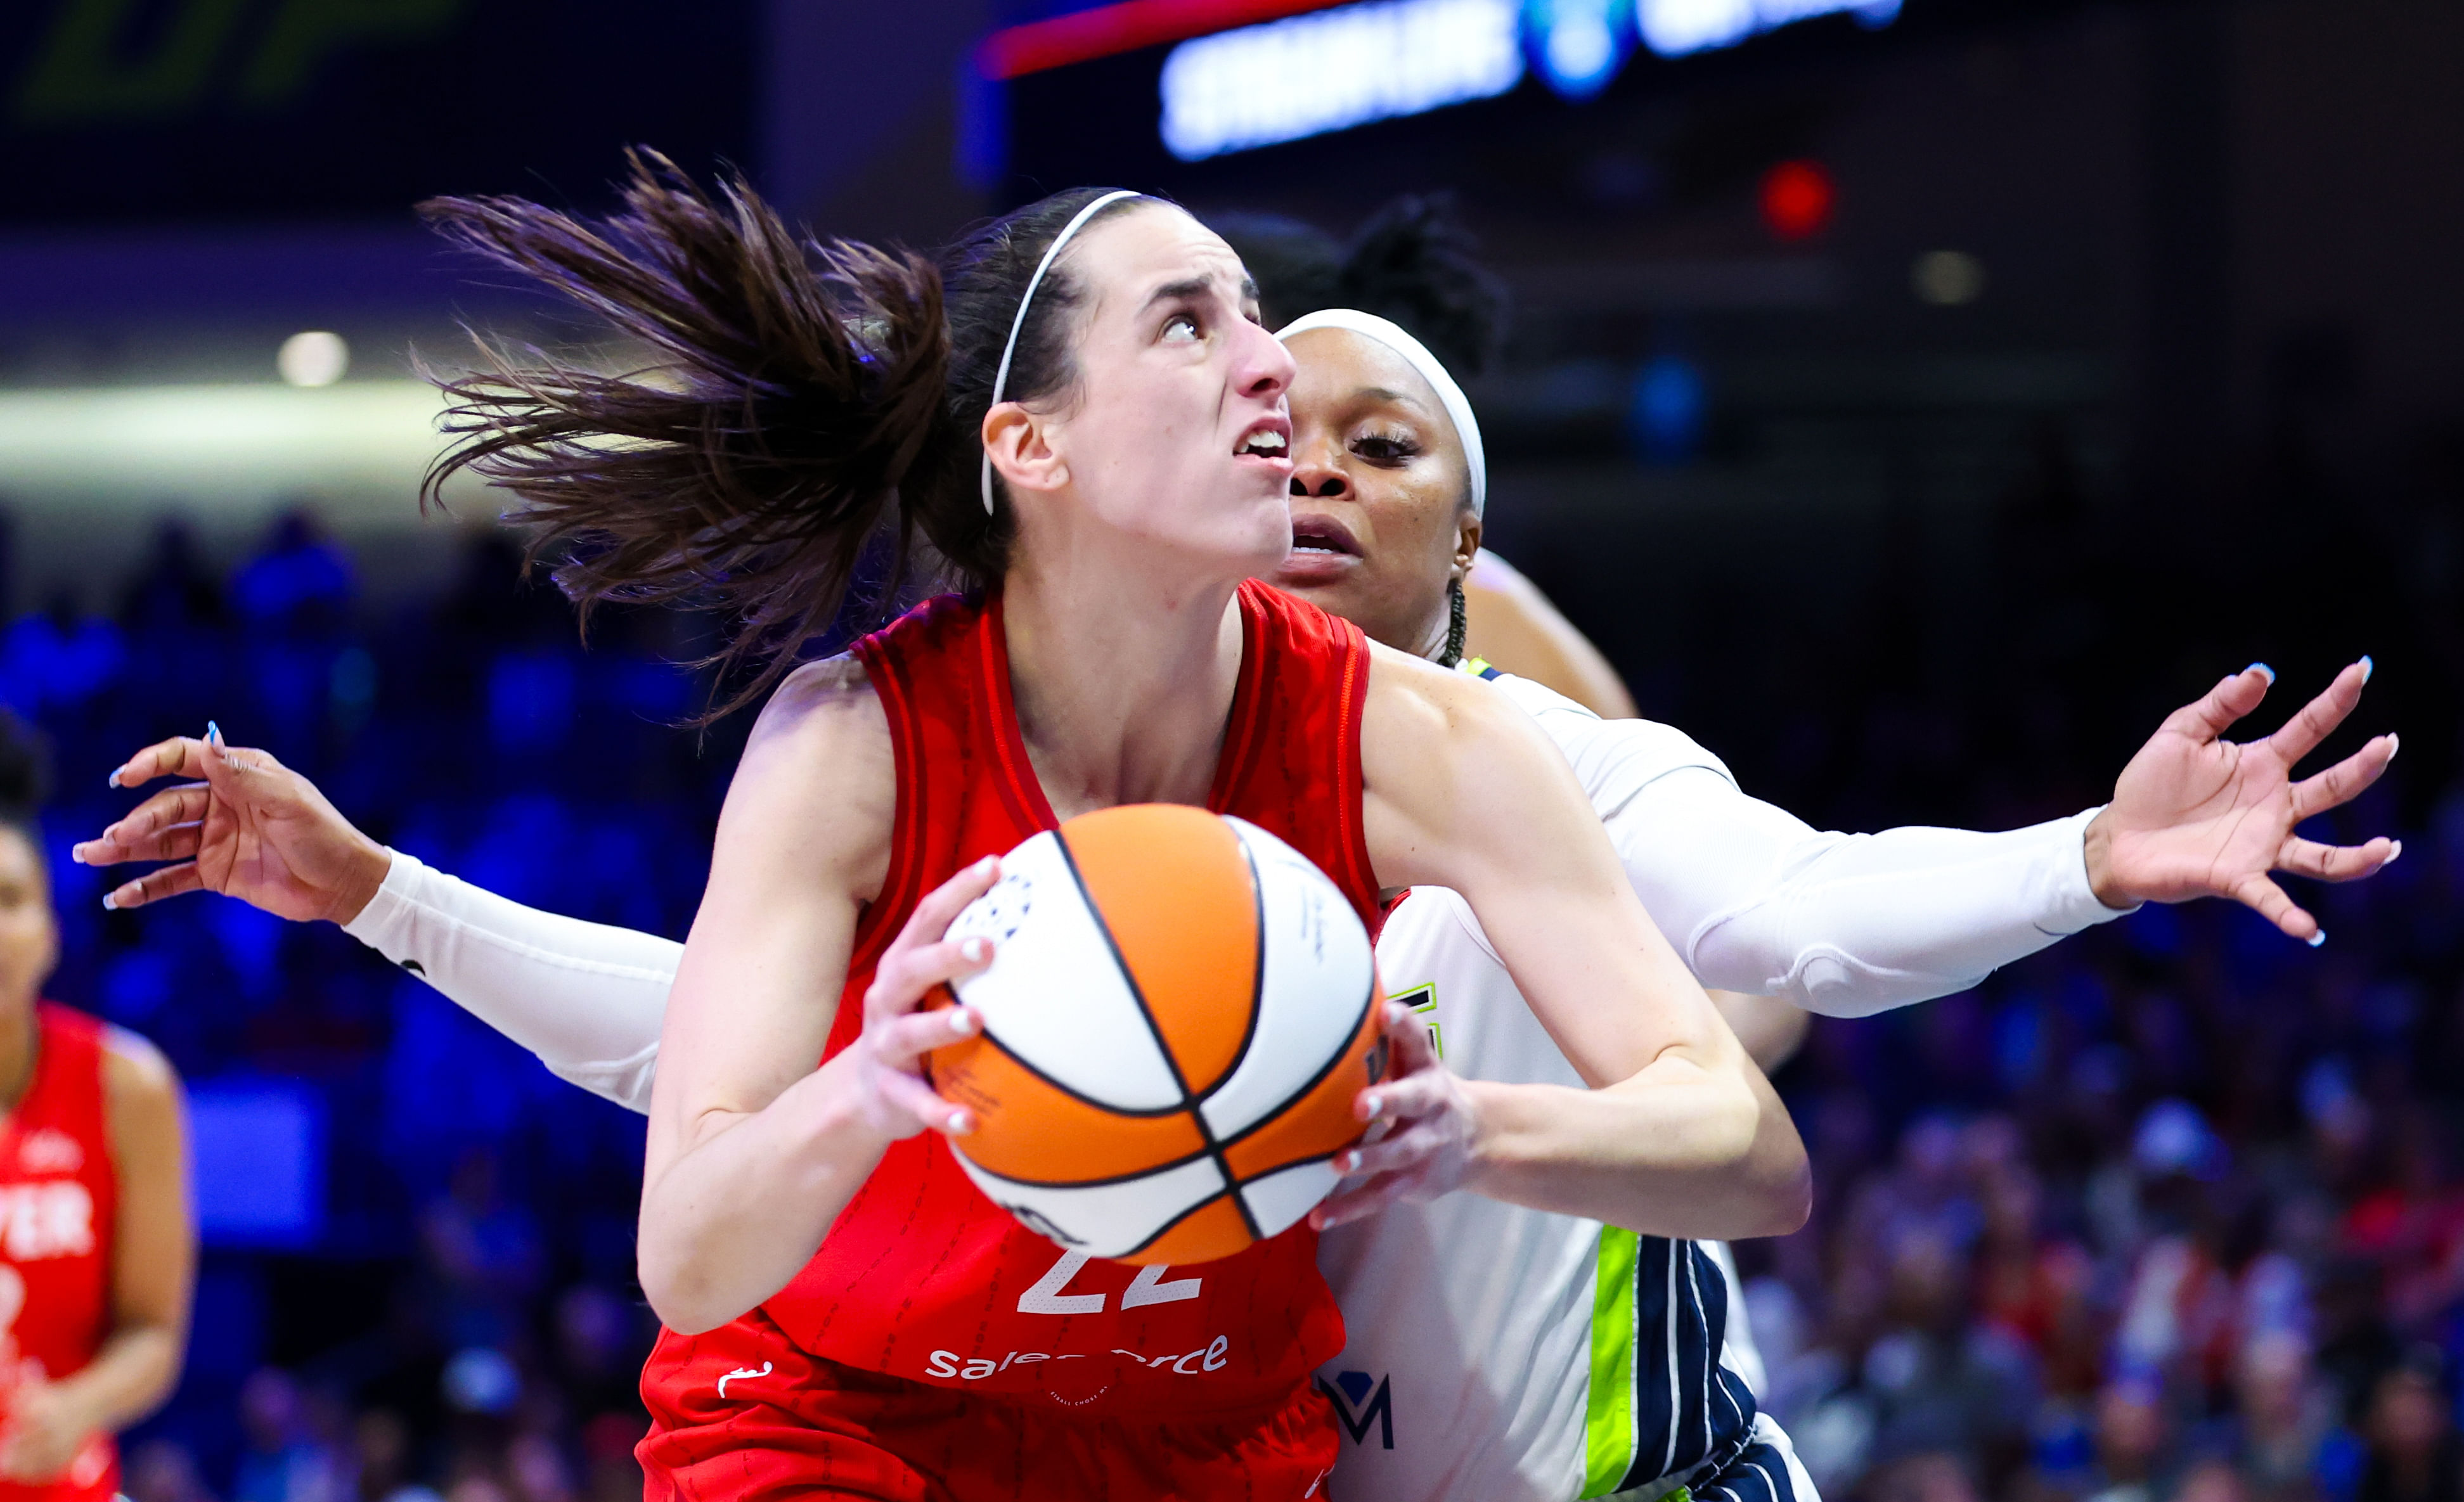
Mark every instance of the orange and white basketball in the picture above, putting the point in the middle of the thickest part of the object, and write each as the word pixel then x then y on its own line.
pixel 1180 1013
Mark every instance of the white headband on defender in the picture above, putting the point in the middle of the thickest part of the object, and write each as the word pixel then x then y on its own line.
pixel 1027 299
pixel 1386 332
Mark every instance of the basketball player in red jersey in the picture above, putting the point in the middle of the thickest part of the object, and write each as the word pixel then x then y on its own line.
pixel 97 1254
pixel 1096 439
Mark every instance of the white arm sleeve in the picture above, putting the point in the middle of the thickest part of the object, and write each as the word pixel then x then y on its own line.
pixel 1758 900
pixel 586 998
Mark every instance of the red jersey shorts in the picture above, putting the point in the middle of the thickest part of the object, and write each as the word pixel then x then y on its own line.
pixel 740 1413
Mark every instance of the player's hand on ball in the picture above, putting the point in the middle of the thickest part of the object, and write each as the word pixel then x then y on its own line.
pixel 2195 814
pixel 1424 1130
pixel 252 828
pixel 888 1059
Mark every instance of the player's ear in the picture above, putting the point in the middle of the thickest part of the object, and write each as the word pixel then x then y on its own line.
pixel 1467 535
pixel 1021 450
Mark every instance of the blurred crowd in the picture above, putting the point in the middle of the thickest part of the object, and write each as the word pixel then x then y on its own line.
pixel 2170 1212
pixel 459 1317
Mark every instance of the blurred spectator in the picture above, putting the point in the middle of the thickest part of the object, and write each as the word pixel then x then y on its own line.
pixel 285 1461
pixel 381 1456
pixel 2410 1429
pixel 162 1471
pixel 2130 1442
pixel 486 1253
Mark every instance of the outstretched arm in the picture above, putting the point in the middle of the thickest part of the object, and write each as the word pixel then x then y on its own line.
pixel 586 998
pixel 1678 1135
pixel 1756 900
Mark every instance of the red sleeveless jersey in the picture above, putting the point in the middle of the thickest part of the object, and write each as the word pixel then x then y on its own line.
pixel 60 1201
pixel 923 1279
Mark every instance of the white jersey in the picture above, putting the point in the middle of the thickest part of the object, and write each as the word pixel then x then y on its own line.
pixel 1510 1354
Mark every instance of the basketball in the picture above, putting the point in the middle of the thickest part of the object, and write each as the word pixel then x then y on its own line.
pixel 1179 1013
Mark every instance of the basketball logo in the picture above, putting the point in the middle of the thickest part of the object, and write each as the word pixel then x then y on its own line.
pixel 1178 1018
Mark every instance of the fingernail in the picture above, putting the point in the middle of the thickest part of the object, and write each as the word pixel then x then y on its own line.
pixel 213 735
pixel 114 779
pixel 972 950
pixel 2394 745
pixel 77 853
pixel 961 1122
pixel 2393 856
pixel 110 904
pixel 1350 1162
pixel 2317 939
pixel 986 864
pixel 961 1021
pixel 2261 667
pixel 2368 667
pixel 1376 1102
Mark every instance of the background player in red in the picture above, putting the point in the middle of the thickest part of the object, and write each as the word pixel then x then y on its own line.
pixel 98 1250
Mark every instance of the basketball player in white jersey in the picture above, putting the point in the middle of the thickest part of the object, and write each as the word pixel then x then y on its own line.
pixel 1496 1352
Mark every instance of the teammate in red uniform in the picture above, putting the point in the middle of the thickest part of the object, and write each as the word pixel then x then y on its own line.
pixel 98 1255
pixel 1096 440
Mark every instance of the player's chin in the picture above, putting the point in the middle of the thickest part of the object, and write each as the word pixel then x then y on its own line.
pixel 1339 589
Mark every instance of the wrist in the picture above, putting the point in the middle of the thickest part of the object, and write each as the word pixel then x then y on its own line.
pixel 1490 1142
pixel 2096 847
pixel 837 1120
pixel 364 875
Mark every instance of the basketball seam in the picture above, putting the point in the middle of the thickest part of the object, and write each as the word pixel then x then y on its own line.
pixel 1154 1030
pixel 1296 1162
pixel 1153 1112
pixel 1110 1182
pixel 1169 1227
pixel 1314 1080
pixel 1256 970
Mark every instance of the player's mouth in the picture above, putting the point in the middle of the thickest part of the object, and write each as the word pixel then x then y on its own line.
pixel 1266 442
pixel 1323 550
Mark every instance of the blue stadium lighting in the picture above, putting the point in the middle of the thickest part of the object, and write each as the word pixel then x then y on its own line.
pixel 1674 28
pixel 1579 45
pixel 1334 70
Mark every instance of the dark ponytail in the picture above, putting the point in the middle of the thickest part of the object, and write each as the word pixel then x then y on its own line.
pixel 802 400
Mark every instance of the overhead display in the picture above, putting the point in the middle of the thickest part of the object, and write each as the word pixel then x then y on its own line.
pixel 1303 69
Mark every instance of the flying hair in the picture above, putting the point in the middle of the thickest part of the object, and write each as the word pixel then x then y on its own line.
pixel 802 402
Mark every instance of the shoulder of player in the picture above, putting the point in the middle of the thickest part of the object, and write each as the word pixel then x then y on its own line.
pixel 834 695
pixel 1413 696
pixel 138 1083
pixel 822 716
pixel 817 785
pixel 1443 751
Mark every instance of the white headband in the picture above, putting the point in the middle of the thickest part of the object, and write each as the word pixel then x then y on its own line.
pixel 1027 299
pixel 1416 354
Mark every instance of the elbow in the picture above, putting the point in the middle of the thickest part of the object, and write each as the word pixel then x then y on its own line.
pixel 1774 1170
pixel 1784 1200
pixel 680 1306
pixel 679 1293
